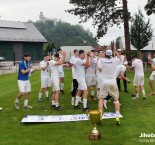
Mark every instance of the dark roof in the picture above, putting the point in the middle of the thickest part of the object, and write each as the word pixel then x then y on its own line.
pixel 20 31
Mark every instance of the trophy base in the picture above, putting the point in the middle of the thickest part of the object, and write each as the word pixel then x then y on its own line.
pixel 94 137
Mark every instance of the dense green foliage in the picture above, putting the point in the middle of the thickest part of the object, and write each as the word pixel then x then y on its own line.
pixel 65 34
pixel 138 117
pixel 105 13
pixel 150 7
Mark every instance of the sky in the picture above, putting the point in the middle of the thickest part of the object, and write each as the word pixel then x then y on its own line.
pixel 24 10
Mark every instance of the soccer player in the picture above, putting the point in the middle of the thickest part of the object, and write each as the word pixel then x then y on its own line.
pixel 23 81
pixel 99 74
pixel 122 61
pixel 61 72
pixel 90 74
pixel 74 81
pixel 45 78
pixel 138 81
pixel 152 76
pixel 80 65
pixel 54 64
pixel 108 66
pixel 121 69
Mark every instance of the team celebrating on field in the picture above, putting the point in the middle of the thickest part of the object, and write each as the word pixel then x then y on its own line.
pixel 89 72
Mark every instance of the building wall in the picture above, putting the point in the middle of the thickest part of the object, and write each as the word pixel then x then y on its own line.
pixel 6 50
pixel 35 49
pixel 69 50
pixel 9 50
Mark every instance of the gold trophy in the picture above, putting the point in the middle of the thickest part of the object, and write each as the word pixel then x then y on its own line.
pixel 94 116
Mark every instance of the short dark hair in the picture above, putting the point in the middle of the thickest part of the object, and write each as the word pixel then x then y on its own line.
pixel 45 55
pixel 81 51
pixel 92 50
pixel 27 55
pixel 56 55
pixel 133 56
pixel 75 50
pixel 59 49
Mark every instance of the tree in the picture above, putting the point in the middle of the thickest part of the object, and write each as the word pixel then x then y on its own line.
pixel 65 34
pixel 105 13
pixel 126 25
pixel 140 31
pixel 118 44
pixel 48 47
pixel 150 7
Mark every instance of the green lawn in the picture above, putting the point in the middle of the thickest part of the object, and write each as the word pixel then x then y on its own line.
pixel 138 117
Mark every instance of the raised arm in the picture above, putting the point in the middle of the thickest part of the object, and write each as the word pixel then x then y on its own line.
pixel 62 60
pixel 116 53
pixel 87 63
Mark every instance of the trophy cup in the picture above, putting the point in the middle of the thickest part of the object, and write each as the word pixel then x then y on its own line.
pixel 94 117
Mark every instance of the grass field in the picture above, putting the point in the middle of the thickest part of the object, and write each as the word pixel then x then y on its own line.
pixel 138 118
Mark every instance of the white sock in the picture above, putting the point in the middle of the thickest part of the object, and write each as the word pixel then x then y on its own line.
pixel 47 94
pixel 77 100
pixel 72 99
pixel 53 102
pixel 98 94
pixel 17 100
pixel 84 103
pixel 57 104
pixel 117 114
pixel 137 95
pixel 92 93
pixel 143 91
pixel 62 86
pixel 25 102
pixel 40 94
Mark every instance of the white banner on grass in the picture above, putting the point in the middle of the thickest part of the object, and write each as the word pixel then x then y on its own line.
pixel 63 118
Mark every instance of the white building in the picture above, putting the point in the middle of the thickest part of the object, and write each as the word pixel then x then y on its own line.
pixel 70 50
pixel 150 47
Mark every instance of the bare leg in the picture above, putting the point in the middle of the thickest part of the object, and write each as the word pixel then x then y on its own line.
pixel 18 99
pixel 152 87
pixel 100 104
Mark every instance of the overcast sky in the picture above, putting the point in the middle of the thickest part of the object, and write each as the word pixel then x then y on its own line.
pixel 24 10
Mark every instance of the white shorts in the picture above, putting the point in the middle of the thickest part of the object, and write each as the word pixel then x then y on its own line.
pixel 91 80
pixel 45 81
pixel 61 74
pixel 24 86
pixel 152 76
pixel 55 84
pixel 138 80
pixel 109 88
pixel 82 84
pixel 99 81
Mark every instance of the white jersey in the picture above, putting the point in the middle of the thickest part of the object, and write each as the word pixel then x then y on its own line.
pixel 72 61
pixel 109 69
pixel 79 68
pixel 122 59
pixel 46 71
pixel 98 73
pixel 119 69
pixel 60 67
pixel 92 68
pixel 153 62
pixel 138 65
pixel 54 69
